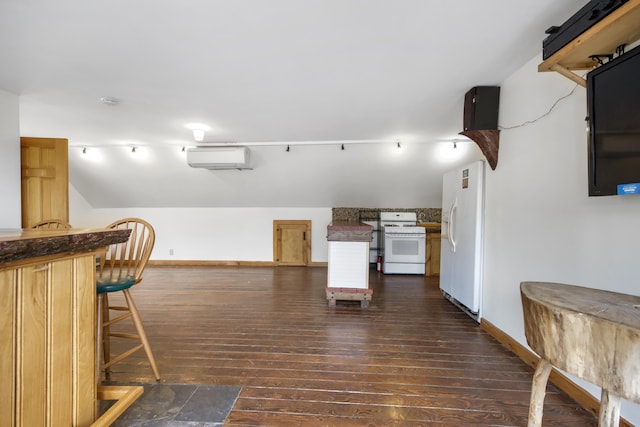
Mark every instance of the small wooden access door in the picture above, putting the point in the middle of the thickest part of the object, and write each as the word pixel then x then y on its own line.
pixel 45 180
pixel 291 242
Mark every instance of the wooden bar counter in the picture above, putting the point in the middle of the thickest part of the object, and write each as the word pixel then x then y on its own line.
pixel 48 325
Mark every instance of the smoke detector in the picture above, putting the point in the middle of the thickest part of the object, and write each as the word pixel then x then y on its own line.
pixel 107 100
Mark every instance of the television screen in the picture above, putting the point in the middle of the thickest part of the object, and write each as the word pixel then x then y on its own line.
pixel 613 101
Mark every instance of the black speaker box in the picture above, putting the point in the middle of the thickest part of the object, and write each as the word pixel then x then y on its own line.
pixel 481 104
pixel 590 14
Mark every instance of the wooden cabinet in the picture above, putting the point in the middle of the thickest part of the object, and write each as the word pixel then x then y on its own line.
pixel 432 252
pixel 45 180
pixel 48 329
pixel 47 342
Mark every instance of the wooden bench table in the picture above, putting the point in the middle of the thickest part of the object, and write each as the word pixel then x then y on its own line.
pixel 590 333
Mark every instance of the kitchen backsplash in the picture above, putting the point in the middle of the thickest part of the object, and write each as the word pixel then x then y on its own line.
pixel 368 214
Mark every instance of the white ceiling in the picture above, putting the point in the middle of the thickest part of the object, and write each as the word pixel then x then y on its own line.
pixel 262 71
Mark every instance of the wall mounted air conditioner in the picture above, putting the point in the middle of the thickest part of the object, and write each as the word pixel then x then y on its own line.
pixel 219 157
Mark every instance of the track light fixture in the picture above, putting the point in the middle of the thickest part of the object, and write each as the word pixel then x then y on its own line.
pixel 399 144
pixel 84 150
pixel 288 149
pixel 135 153
pixel 455 144
pixel 342 147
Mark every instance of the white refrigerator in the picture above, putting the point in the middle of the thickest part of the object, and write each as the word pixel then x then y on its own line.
pixel 462 237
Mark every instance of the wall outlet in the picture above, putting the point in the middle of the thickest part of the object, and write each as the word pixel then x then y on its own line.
pixel 170 251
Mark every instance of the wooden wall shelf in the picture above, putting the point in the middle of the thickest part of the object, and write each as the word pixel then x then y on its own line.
pixel 622 26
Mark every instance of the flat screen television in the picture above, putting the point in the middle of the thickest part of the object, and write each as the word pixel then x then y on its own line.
pixel 613 102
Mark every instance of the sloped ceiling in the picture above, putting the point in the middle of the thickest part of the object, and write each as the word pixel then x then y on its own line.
pixel 279 72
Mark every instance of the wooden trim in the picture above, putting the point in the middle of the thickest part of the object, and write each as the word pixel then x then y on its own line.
pixel 318 264
pixel 527 356
pixel 580 395
pixel 124 397
pixel 216 263
pixel 210 263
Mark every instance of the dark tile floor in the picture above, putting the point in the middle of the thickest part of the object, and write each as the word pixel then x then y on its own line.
pixel 179 405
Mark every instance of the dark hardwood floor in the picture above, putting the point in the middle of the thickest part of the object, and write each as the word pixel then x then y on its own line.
pixel 411 358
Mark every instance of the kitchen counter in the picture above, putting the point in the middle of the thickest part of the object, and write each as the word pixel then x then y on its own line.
pixel 348 266
pixel 432 252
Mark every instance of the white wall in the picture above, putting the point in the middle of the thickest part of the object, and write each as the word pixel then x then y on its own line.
pixel 540 223
pixel 10 216
pixel 218 234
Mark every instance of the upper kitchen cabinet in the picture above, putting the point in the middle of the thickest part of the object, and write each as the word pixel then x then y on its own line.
pixel 620 27
pixel 45 179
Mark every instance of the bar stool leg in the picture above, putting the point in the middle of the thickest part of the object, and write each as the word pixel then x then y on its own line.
pixel 143 336
pixel 98 349
pixel 106 342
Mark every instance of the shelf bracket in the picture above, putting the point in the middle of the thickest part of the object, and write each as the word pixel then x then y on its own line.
pixel 488 140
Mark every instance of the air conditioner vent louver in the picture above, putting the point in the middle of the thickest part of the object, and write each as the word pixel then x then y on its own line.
pixel 219 157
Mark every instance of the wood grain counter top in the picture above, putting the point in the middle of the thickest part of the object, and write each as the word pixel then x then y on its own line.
pixel 19 244
pixel 349 231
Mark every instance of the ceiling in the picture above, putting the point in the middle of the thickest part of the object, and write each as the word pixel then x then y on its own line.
pixel 269 74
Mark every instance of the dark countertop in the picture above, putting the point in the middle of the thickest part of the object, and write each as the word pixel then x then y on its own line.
pixel 19 244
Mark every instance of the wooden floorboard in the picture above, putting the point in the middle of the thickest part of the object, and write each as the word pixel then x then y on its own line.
pixel 410 358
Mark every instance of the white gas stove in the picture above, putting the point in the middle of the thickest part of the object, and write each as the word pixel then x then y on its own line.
pixel 403 243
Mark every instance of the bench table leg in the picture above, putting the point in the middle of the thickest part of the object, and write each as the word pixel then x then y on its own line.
pixel 538 391
pixel 609 415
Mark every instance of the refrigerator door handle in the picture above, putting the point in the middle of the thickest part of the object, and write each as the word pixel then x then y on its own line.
pixel 452 209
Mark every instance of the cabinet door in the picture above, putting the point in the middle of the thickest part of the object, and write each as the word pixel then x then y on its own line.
pixel 433 254
pixel 45 180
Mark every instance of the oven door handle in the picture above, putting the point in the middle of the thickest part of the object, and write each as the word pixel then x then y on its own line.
pixel 452 210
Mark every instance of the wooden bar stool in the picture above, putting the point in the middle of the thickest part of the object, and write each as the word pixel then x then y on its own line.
pixel 52 224
pixel 121 267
